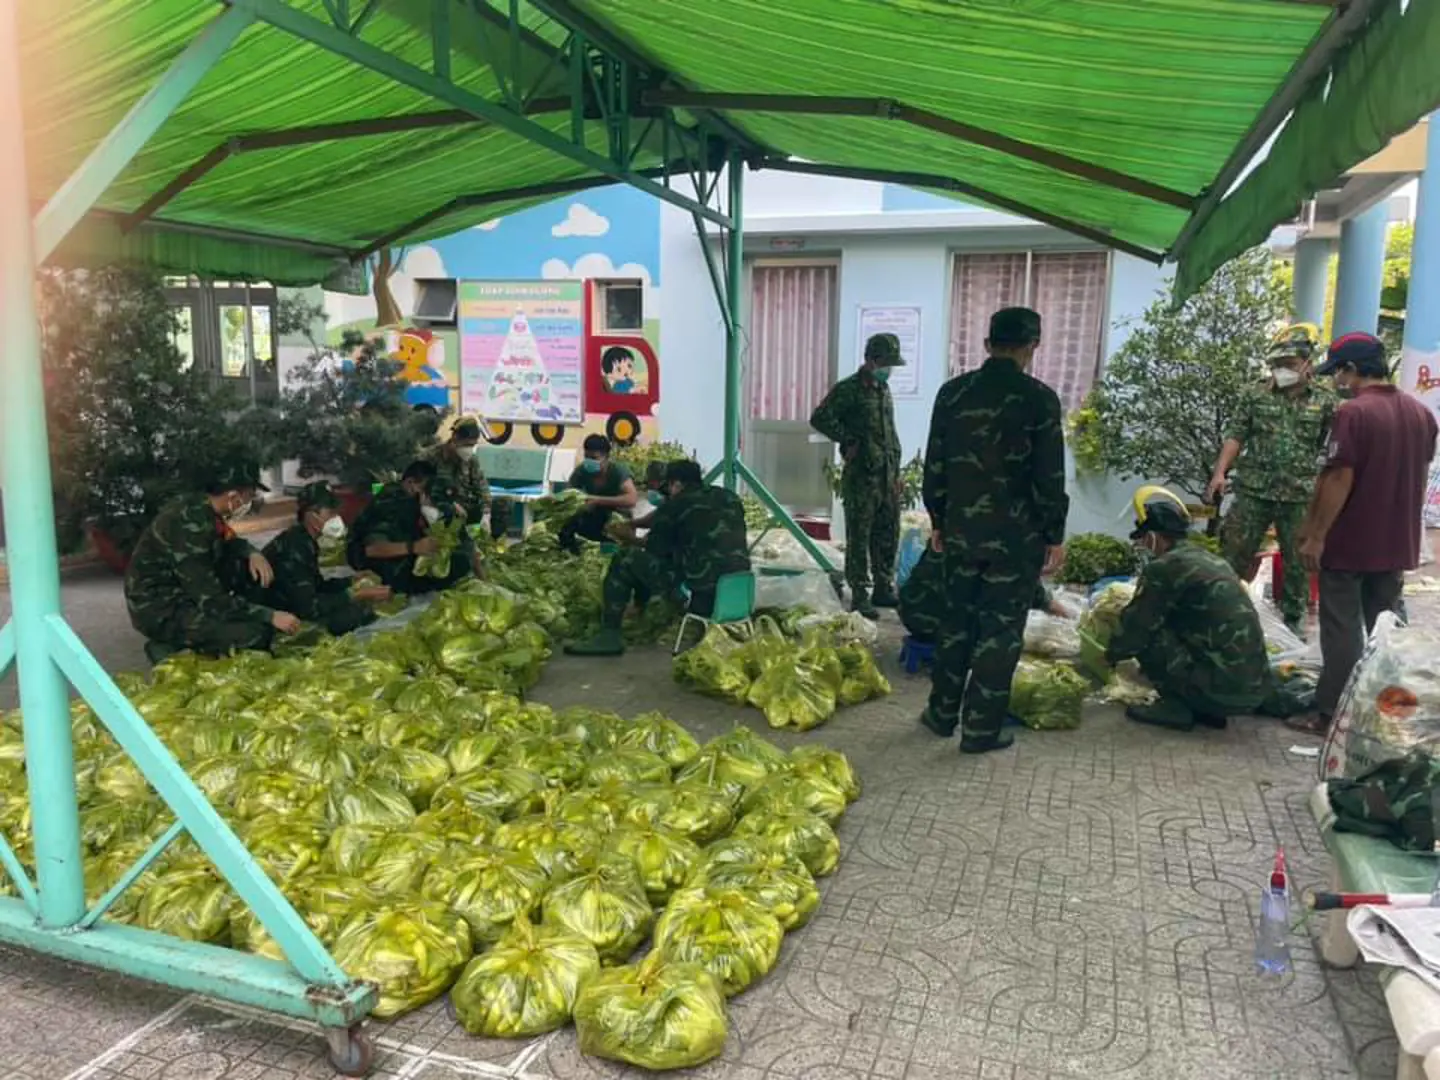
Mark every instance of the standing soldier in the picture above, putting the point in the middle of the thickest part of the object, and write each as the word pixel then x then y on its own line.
pixel 1276 442
pixel 191 579
pixel 995 491
pixel 459 481
pixel 859 415
pixel 294 555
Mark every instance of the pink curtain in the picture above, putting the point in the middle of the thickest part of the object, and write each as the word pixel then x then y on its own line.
pixel 792 317
pixel 1068 289
pixel 983 284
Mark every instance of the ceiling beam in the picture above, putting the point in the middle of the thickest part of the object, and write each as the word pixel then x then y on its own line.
pixel 1346 20
pixel 959 187
pixel 314 133
pixel 889 109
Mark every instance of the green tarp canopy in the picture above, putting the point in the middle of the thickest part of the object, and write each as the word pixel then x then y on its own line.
pixel 331 127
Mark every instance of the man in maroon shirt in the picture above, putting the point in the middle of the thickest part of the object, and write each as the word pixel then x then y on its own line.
pixel 1363 528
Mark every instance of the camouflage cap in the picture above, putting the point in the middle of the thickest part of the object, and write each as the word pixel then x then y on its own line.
pixel 317 496
pixel 1014 326
pixel 883 350
pixel 235 476
pixel 467 429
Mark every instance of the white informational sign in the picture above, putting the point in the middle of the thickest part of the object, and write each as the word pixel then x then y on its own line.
pixel 902 320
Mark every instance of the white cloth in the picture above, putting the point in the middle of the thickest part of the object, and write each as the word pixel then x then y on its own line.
pixel 1406 938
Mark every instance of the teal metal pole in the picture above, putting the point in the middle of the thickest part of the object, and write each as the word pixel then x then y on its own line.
pixel 97 172
pixel 734 283
pixel 30 524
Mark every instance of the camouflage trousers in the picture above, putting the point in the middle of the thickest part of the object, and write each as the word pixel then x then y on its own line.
pixel 1183 679
pixel 635 576
pixel 190 628
pixel 341 613
pixel 1245 528
pixel 982 630
pixel 872 538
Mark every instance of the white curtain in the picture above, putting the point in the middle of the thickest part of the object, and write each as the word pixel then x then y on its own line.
pixel 791 321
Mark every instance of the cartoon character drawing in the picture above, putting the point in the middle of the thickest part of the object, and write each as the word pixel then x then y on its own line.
pixel 618 365
pixel 421 355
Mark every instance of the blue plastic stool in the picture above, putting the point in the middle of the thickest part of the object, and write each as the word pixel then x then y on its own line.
pixel 915 654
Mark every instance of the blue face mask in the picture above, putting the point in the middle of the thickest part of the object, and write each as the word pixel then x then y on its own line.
pixel 655 498
pixel 590 465
pixel 882 374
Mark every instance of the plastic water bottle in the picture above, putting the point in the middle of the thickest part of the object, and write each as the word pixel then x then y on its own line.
pixel 1272 949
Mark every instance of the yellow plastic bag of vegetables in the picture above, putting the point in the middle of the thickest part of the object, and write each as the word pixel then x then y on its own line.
pixel 606 905
pixel 412 950
pixel 693 810
pixel 789 790
pixel 560 847
pixel 393 862
pixel 627 767
pixel 187 899
pixel 414 772
pixel 664 858
pixel 488 888
pixel 778 882
pixel 506 792
pixel 726 932
pixel 525 984
pixel 734 762
pixel 834 766
pixel 656 1014
pixel 659 734
pixel 804 836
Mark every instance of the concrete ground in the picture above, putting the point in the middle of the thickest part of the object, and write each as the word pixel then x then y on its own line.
pixel 1082 906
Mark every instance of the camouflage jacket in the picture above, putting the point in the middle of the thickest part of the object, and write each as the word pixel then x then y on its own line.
pixel 1282 439
pixel 859 415
pixel 189 558
pixel 458 481
pixel 922 597
pixel 1197 598
pixel 393 516
pixel 995 465
pixel 299 586
pixel 700 535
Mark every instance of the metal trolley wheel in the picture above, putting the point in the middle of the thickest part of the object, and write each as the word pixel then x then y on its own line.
pixel 350 1050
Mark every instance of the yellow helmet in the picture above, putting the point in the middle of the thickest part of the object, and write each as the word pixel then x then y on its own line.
pixel 1300 340
pixel 1159 510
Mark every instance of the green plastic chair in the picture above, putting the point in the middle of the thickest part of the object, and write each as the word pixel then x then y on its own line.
pixel 734 606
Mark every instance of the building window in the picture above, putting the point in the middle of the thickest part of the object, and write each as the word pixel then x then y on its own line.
pixel 622 307
pixel 1067 288
pixel 221 324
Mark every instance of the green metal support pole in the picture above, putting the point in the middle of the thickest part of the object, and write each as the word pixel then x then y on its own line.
pixel 30 524
pixel 734 283
pixel 79 193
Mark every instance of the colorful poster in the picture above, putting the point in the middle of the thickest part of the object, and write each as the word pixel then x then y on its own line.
pixel 521 345
pixel 904 322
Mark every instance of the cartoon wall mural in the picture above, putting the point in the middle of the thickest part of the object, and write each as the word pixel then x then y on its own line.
pixel 607 234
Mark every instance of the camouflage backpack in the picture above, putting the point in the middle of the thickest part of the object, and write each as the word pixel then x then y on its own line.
pixel 1398 800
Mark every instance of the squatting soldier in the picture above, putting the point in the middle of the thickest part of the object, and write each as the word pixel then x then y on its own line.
pixel 1277 442
pixel 922 598
pixel 459 481
pixel 393 531
pixel 697 535
pixel 1191 626
pixel 995 491
pixel 191 580
pixel 859 416
pixel 294 555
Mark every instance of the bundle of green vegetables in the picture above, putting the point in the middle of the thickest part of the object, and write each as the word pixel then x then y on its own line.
pixel 1048 695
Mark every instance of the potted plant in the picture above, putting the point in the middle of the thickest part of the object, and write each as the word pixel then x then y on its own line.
pixel 342 414
pixel 130 423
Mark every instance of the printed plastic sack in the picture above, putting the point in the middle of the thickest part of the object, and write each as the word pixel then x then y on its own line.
pixel 803 836
pixel 1048 695
pixel 606 905
pixel 726 932
pixel 656 1014
pixel 526 983
pixel 489 888
pixel 1391 705
pixel 412 950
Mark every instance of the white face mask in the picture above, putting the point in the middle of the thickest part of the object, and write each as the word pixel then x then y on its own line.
pixel 430 514
pixel 334 529
pixel 241 511
pixel 1285 377
pixel 466 452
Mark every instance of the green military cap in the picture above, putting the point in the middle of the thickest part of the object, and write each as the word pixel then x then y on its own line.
pixel 884 350
pixel 235 476
pixel 1015 326
pixel 467 428
pixel 317 496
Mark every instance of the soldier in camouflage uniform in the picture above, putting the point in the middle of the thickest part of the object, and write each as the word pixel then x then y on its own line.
pixel 922 598
pixel 1191 626
pixel 459 482
pixel 299 586
pixel 859 416
pixel 1278 435
pixel 696 536
pixel 995 490
pixel 191 581
pixel 393 531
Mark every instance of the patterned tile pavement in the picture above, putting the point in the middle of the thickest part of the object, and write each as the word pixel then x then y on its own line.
pixel 1080 907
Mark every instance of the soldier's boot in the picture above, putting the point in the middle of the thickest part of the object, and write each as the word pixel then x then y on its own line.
pixel 884 597
pixel 158 652
pixel 608 642
pixel 1165 713
pixel 1296 628
pixel 983 744
pixel 862 605
pixel 934 724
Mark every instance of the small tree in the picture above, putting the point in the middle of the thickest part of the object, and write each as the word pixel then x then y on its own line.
pixel 343 413
pixel 1164 403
